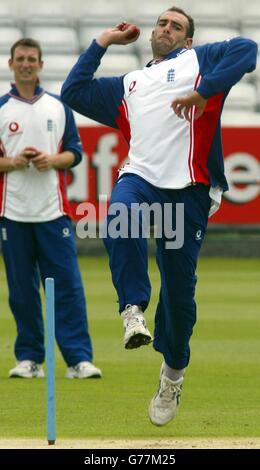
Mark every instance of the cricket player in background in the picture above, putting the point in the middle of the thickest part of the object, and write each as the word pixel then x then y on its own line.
pixel 39 141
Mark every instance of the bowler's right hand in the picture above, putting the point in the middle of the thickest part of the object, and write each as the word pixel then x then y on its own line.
pixel 123 33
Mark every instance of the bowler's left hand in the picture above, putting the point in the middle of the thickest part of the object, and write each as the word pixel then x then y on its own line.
pixel 182 106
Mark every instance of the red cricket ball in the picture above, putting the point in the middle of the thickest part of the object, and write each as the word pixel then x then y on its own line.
pixel 132 34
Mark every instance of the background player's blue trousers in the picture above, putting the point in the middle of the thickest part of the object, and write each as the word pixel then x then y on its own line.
pixel 176 310
pixel 38 250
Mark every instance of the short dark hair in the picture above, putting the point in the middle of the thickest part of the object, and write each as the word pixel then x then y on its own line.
pixel 191 27
pixel 26 42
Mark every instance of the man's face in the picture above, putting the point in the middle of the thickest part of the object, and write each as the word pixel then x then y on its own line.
pixel 170 33
pixel 25 65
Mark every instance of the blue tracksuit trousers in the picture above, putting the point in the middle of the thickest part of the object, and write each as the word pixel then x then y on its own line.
pixel 176 310
pixel 34 251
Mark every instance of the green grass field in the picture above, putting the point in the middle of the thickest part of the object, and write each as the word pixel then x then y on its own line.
pixel 221 394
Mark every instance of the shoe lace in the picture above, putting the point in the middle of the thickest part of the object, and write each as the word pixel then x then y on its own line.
pixel 168 392
pixel 81 366
pixel 129 309
pixel 29 365
pixel 133 318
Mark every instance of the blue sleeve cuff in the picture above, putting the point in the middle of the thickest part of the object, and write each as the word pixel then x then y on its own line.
pixel 77 158
pixel 96 50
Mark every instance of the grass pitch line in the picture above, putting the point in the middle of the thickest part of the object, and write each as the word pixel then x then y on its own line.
pixel 205 443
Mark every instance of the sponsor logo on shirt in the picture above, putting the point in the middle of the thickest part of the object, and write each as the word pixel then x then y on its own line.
pixel 14 129
pixel 132 88
pixel 13 126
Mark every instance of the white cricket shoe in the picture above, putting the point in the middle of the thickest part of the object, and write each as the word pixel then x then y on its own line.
pixel 164 405
pixel 136 331
pixel 27 370
pixel 83 370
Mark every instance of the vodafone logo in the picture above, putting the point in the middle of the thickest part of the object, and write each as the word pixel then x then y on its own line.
pixel 13 126
pixel 132 86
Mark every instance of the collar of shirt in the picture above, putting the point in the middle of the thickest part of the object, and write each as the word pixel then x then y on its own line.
pixel 15 92
pixel 171 55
